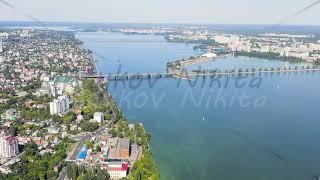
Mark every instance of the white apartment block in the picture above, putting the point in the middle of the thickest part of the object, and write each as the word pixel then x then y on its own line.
pixel 226 39
pixel 98 117
pixel 1 46
pixel 8 146
pixel 60 106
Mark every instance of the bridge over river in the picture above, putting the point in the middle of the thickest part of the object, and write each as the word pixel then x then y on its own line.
pixel 203 73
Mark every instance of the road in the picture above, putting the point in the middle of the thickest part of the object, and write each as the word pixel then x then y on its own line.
pixel 80 145
pixel 73 157
pixel 86 137
pixel 83 139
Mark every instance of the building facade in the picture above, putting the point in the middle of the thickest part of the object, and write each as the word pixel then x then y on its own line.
pixel 8 146
pixel 123 148
pixel 117 170
pixel 98 117
pixel 1 49
pixel 60 106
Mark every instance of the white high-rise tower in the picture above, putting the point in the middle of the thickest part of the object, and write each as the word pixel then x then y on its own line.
pixel 1 50
pixel 60 106
pixel 8 145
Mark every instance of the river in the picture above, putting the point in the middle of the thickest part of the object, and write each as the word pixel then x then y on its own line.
pixel 252 128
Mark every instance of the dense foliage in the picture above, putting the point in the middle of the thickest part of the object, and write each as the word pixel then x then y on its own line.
pixel 89 126
pixel 91 99
pixel 268 55
pixel 75 172
pixel 144 168
pixel 34 166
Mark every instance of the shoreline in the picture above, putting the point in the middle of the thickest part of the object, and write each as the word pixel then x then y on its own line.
pixel 164 173
pixel 118 116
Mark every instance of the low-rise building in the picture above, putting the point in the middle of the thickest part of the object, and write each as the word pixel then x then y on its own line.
pixel 10 115
pixel 53 130
pixel 123 148
pixel 117 170
pixel 112 142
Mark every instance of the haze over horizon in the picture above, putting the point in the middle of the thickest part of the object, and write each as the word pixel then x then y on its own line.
pixel 173 11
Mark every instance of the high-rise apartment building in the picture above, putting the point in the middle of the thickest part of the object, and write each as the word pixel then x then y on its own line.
pixel 60 106
pixel 8 145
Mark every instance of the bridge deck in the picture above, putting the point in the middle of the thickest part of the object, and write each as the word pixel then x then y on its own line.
pixel 200 73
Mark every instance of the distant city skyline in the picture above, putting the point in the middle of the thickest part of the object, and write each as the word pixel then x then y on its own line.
pixel 166 11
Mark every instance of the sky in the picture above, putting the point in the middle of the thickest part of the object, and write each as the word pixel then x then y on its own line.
pixel 162 11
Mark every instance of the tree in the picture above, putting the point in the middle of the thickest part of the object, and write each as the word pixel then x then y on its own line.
pixel 12 93
pixel 102 174
pixel 98 148
pixel 81 177
pixel 34 166
pixel 89 126
pixel 12 101
pixel 51 174
pixel 69 169
pixel 71 116
pixel 113 132
pixel 14 130
pixel 90 144
pixel 76 172
pixel 145 168
pixel 107 116
pixel 57 119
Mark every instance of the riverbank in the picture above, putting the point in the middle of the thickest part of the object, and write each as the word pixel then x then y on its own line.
pixel 145 167
pixel 187 147
pixel 269 56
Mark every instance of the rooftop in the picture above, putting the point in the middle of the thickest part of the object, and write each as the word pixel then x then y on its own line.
pixel 124 143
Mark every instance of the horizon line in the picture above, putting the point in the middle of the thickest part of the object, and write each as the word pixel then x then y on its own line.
pixel 160 23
